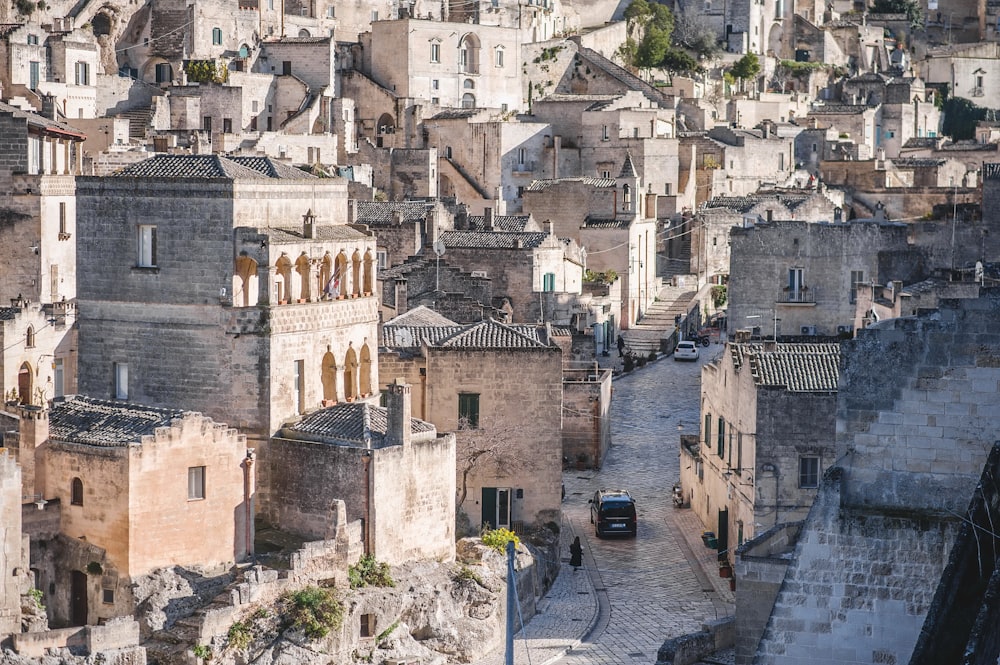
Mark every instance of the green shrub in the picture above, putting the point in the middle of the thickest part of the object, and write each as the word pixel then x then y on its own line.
pixel 202 651
pixel 369 572
pixel 497 539
pixel 239 636
pixel 386 633
pixel 466 574
pixel 94 568
pixel 315 611
pixel 37 596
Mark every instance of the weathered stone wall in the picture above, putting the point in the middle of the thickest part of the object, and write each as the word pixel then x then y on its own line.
pixel 586 428
pixel 510 269
pixel 10 544
pixel 913 440
pixel 520 397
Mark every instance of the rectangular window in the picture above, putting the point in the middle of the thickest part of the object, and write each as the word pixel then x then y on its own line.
pixel 549 282
pixel 146 257
pixel 33 40
pixel 383 259
pixel 58 378
pixel 227 125
pixel 435 100
pixel 374 16
pixel 739 450
pixel 857 277
pixel 604 133
pixel 54 281
pixel 468 410
pixel 795 284
pixel 721 444
pixel 435 84
pixel 206 123
pixel 331 12
pixel 108 596
pixel 216 36
pixel 299 386
pixel 435 53
pixel 82 73
pixel 34 74
pixel 708 431
pixel 521 155
pixel 286 70
pixel 367 625
pixel 808 472
pixel 62 219
pixel 120 390
pixel 499 57
pixel 196 483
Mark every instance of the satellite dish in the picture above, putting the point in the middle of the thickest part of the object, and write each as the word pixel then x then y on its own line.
pixel 439 247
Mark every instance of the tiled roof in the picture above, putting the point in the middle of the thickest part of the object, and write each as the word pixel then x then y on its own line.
pixel 298 40
pixel 271 168
pixel 380 213
pixel 95 422
pixel 489 334
pixel 353 424
pixel 628 168
pixel 415 336
pixel 839 109
pixel 42 123
pixel 926 286
pixel 542 185
pixel 492 239
pixel 795 367
pixel 188 166
pixel 597 223
pixel 742 204
pixel 335 232
pixel 968 145
pixel 515 223
pixel 564 97
pixel 420 316
pixel 455 114
pixel 8 313
pixel 921 142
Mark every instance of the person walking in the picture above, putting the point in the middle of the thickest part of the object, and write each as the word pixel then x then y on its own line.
pixel 576 554
pixel 621 346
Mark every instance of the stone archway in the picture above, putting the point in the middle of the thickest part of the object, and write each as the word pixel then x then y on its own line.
pixel 329 377
pixel 365 375
pixel 25 383
pixel 350 374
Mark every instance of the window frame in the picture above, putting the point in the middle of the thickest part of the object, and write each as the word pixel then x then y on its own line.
pixel 468 410
pixel 196 483
pixel 216 36
pixel 435 52
pixel 119 389
pixel 76 492
pixel 809 478
pixel 146 246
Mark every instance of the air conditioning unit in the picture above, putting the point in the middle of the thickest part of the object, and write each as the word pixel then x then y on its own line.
pixel 808 330
pixel 479 273
pixel 843 330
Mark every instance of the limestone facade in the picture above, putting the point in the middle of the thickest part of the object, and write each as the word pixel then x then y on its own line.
pixel 11 547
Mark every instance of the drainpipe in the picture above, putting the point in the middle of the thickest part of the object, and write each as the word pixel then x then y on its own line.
pixel 248 489
pixel 366 535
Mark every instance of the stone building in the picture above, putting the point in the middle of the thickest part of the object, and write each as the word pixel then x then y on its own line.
pixel 403 228
pixel 133 484
pixel 12 550
pixel 394 473
pixel 471 379
pixel 766 439
pixel 860 123
pixel 38 360
pixel 915 425
pixel 878 302
pixel 800 278
pixel 613 222
pixel 969 70
pixel 230 286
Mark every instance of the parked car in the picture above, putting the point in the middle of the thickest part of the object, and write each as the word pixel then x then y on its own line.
pixel 613 512
pixel 686 350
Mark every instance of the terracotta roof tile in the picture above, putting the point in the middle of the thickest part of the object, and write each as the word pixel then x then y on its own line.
pixel 355 424
pixel 95 422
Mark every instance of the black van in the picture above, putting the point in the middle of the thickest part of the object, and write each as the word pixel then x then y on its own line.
pixel 613 512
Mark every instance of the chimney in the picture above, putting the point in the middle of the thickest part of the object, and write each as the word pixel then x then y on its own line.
pixel 398 409
pixel 765 129
pixel 33 431
pixel 550 227
pixel 309 225
pixel 400 296
pixel 488 219
pixel 397 218
pixel 49 107
pixel 556 147
pixel 431 230
pixel 350 211
pixel 879 212
pixel 650 205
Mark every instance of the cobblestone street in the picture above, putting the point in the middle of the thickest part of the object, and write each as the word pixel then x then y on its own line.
pixel 633 593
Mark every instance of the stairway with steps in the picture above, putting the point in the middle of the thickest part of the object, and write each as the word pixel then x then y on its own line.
pixel 138 121
pixel 657 321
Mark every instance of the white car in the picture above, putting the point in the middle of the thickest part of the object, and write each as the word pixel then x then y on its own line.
pixel 686 350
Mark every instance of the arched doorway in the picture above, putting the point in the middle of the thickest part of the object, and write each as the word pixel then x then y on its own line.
pixel 302 267
pixel 283 279
pixel 365 378
pixel 25 383
pixel 385 125
pixel 245 286
pixel 350 374
pixel 468 54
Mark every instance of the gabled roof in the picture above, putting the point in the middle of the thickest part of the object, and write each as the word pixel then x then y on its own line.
pixel 43 124
pixel 355 424
pixel 96 422
pixel 189 166
pixel 839 109
pixel 492 239
pixel 9 313
pixel 794 367
pixel 917 162
pixel 489 334
pixel 402 336
pixel 515 223
pixel 742 204
pixel 271 168
pixel 420 316
pixel 601 223
pixel 381 213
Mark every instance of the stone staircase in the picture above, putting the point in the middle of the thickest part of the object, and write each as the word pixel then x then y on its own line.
pixel 657 321
pixel 139 119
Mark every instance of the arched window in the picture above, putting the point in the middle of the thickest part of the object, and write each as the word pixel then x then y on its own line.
pixel 304 33
pixel 29 337
pixel 329 377
pixel 302 267
pixel 283 278
pixel 76 492
pixel 245 286
pixel 350 374
pixel 468 101
pixel 365 379
pixel 468 54
pixel 326 276
pixel 356 273
pixel 369 261
pixel 469 84
pixel 340 275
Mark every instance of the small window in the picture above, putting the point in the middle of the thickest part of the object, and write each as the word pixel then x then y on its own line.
pixel 367 625
pixel 468 411
pixel 708 430
pixel 253 106
pixel 216 36
pixel 29 337
pixel 33 40
pixel 120 390
pixel 76 492
pixel 435 53
pixel 62 219
pixel 499 58
pixel 722 437
pixel 435 84
pixel 383 259
pixel 82 70
pixel 331 12
pixel 108 596
pixel 206 123
pixel 604 133
pixel 196 483
pixel 808 472
pixel 549 282
pixel 374 16
pixel 857 278
pixel 147 246
pixel 436 101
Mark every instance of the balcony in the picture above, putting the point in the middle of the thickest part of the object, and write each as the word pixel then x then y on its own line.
pixel 524 167
pixel 803 296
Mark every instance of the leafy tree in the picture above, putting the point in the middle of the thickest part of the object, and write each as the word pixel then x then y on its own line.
pixel 679 60
pixel 909 7
pixel 637 12
pixel 653 47
pixel 960 117
pixel 747 67
pixel 489 448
